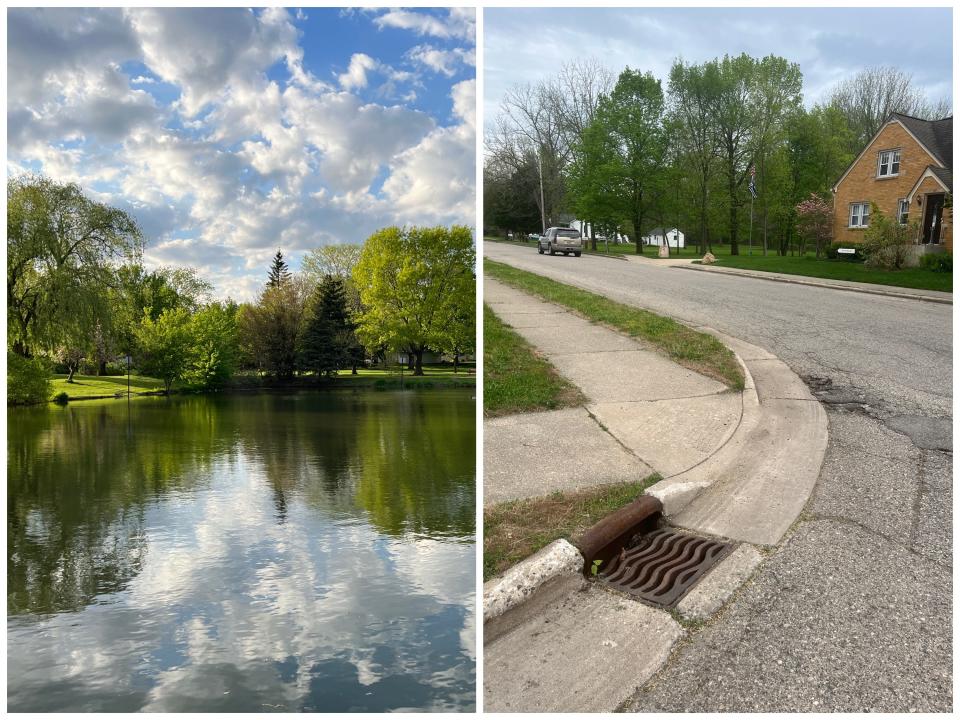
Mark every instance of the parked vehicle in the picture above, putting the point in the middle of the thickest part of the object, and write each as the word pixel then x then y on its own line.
pixel 560 239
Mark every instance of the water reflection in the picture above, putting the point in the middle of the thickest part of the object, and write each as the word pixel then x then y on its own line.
pixel 302 552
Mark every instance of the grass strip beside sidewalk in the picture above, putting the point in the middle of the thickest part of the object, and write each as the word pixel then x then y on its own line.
pixel 515 530
pixel 515 378
pixel 685 346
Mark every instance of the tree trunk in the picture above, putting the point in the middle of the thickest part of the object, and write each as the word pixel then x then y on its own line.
pixel 418 366
pixel 411 355
pixel 21 349
pixel 102 368
pixel 593 238
pixel 456 362
pixel 734 247
pixel 353 369
pixel 71 369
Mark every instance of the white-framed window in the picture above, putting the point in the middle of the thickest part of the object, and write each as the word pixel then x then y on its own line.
pixel 888 163
pixel 859 214
pixel 903 210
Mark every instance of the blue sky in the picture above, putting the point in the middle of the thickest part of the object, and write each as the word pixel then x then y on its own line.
pixel 830 44
pixel 229 132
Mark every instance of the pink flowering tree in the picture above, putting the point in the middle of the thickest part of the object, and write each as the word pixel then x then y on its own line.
pixel 814 223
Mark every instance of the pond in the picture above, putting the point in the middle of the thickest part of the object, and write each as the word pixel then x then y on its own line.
pixel 268 552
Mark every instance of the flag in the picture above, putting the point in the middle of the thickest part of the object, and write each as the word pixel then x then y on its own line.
pixel 753 186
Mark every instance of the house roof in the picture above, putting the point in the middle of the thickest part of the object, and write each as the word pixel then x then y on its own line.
pixel 934 136
pixel 942 175
pixel 659 231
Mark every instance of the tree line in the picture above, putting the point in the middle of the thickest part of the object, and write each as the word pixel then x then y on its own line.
pixel 627 153
pixel 79 297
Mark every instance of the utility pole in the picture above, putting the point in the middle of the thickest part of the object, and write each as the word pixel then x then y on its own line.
pixel 543 209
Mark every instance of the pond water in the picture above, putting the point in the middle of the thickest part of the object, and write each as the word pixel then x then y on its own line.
pixel 302 552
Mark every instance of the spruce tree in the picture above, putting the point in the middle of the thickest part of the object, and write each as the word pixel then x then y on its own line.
pixel 279 273
pixel 328 337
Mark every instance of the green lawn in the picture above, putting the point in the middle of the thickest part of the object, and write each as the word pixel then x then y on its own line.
pixel 515 530
pixel 87 386
pixel 685 346
pixel 515 378
pixel 807 265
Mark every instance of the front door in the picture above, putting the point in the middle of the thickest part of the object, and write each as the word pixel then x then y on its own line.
pixel 932 217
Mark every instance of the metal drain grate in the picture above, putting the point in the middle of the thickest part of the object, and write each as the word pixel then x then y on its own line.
pixel 663 565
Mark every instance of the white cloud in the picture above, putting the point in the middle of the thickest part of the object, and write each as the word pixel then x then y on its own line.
pixel 241 163
pixel 445 62
pixel 459 22
pixel 356 74
pixel 434 181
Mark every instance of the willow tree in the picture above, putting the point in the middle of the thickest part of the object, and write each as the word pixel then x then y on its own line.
pixel 62 251
pixel 413 284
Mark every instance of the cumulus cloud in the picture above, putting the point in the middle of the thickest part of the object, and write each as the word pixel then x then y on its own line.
pixel 438 173
pixel 254 151
pixel 458 23
pixel 445 62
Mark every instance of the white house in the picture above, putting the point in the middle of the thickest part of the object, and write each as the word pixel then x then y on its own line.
pixel 584 227
pixel 657 237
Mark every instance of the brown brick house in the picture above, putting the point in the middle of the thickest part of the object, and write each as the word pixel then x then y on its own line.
pixel 906 170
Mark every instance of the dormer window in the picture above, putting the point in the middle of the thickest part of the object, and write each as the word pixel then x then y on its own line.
pixel 888 163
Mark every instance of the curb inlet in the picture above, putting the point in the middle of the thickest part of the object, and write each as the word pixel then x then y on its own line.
pixel 662 566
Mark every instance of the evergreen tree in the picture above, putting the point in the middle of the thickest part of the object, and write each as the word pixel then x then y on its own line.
pixel 328 340
pixel 279 273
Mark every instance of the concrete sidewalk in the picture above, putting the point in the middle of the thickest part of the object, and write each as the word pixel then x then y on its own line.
pixel 644 413
pixel 739 465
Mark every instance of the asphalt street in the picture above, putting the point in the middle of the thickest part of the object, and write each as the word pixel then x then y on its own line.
pixel 853 610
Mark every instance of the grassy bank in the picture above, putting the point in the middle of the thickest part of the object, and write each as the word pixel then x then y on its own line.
pixel 807 265
pixel 695 350
pixel 91 386
pixel 515 530
pixel 515 378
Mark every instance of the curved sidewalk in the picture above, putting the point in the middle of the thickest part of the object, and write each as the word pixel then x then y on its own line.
pixel 740 465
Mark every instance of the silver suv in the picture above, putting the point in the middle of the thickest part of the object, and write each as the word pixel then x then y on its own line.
pixel 560 239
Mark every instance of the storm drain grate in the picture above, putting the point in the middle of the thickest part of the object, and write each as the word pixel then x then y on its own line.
pixel 663 565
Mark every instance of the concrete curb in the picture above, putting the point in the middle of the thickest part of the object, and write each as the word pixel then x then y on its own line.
pixel 814 283
pixel 674 495
pixel 775 453
pixel 523 590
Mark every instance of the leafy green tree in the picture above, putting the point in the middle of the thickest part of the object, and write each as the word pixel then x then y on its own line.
pixel 279 273
pixel 62 251
pixel 328 332
pixel 336 260
pixel 213 353
pixel 693 91
pixel 28 380
pixel 165 345
pixel 411 282
pixel 271 328
pixel 633 116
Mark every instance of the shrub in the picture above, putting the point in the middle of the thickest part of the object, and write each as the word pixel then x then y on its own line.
pixel 937 262
pixel 814 222
pixel 61 398
pixel 887 242
pixel 28 380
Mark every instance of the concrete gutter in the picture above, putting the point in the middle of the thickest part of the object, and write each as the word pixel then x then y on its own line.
pixel 848 286
pixel 754 487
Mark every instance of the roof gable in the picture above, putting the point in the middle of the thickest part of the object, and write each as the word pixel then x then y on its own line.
pixel 937 133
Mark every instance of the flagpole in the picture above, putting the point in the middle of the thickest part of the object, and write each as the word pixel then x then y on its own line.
pixel 751 223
